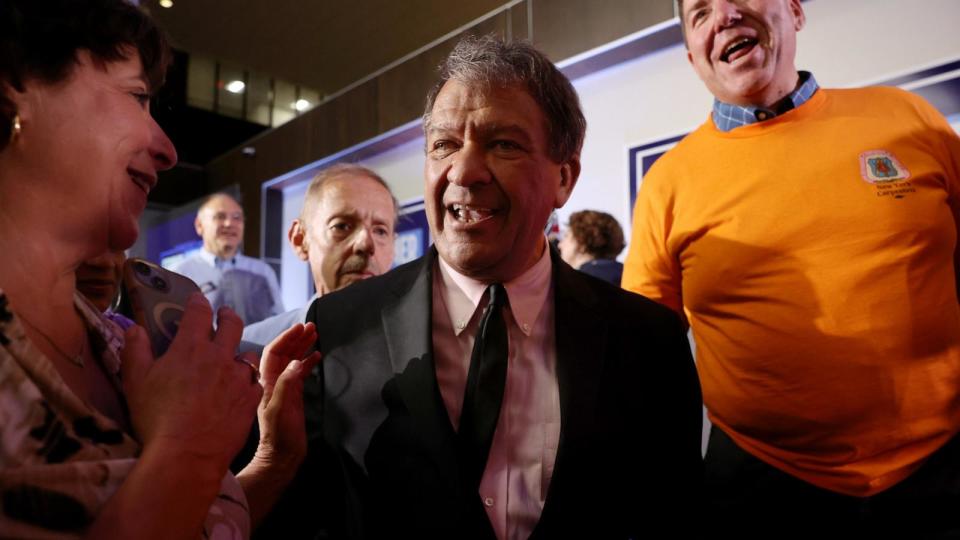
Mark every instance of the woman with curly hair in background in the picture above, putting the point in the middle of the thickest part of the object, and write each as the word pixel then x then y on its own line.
pixel 591 244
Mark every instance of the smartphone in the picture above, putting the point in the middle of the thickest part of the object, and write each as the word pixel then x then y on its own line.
pixel 154 298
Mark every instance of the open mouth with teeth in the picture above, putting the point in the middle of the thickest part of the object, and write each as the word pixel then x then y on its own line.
pixel 142 181
pixel 738 48
pixel 469 214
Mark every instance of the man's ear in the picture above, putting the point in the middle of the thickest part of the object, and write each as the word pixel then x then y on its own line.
pixel 569 174
pixel 799 18
pixel 197 225
pixel 297 237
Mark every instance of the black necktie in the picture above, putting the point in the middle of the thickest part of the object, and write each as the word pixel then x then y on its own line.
pixel 484 390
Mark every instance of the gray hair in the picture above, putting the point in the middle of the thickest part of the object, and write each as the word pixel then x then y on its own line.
pixel 489 62
pixel 316 187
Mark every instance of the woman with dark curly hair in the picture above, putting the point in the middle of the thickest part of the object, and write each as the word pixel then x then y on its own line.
pixel 591 244
pixel 96 438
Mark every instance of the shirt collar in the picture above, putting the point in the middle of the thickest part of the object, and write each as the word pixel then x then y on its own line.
pixel 527 294
pixel 727 117
pixel 301 313
pixel 215 261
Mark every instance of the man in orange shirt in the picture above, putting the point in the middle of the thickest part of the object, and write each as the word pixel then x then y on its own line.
pixel 809 238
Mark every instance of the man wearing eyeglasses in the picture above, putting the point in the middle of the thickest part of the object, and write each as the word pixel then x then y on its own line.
pixel 226 276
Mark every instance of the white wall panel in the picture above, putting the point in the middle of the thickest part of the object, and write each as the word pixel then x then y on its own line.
pixel 845 43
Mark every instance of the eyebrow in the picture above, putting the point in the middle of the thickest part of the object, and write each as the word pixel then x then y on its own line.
pixel 693 5
pixel 384 222
pixel 344 214
pixel 354 215
pixel 485 131
pixel 142 78
pixel 510 129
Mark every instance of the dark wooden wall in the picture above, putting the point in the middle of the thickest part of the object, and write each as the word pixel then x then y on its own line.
pixel 561 28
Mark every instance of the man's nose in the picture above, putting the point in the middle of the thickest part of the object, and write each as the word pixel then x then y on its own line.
pixel 469 166
pixel 725 14
pixel 363 243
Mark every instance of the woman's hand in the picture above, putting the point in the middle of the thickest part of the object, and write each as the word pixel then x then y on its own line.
pixel 192 409
pixel 283 441
pixel 283 437
pixel 196 399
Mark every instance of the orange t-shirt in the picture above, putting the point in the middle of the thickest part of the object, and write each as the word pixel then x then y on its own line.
pixel 814 256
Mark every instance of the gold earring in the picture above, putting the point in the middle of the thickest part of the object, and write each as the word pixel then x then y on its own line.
pixel 15 128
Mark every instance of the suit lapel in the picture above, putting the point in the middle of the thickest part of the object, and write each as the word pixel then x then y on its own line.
pixel 581 349
pixel 406 318
pixel 407 327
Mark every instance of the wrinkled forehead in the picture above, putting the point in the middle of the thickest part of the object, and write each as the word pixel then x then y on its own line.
pixel 490 109
pixel 457 93
pixel 352 193
pixel 685 6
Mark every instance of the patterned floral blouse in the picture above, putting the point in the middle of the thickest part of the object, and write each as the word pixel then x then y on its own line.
pixel 60 460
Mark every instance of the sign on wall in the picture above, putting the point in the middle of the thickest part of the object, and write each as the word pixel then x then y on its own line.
pixel 413 233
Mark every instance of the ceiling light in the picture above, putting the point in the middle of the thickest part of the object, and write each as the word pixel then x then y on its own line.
pixel 166 3
pixel 235 87
pixel 301 105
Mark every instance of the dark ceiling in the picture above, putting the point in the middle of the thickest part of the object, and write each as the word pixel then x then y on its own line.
pixel 323 44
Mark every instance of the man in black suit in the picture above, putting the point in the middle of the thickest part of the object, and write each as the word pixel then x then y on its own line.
pixel 488 390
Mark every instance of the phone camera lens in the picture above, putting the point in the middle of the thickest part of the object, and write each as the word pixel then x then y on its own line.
pixel 141 268
pixel 158 283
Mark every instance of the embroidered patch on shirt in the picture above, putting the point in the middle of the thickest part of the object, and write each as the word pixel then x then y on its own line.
pixel 878 166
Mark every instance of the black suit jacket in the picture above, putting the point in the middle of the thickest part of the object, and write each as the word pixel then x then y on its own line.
pixel 382 458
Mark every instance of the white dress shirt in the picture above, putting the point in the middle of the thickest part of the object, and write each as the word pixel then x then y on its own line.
pixel 520 465
pixel 246 285
pixel 263 332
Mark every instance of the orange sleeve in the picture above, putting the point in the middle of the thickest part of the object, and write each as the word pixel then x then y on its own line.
pixel 650 268
pixel 947 147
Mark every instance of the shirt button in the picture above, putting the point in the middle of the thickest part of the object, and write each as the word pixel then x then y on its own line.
pixel 526 327
pixel 488 501
pixel 461 325
pixel 762 115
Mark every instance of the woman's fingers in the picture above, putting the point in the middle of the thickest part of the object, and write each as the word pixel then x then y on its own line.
pixel 309 363
pixel 282 389
pixel 229 329
pixel 306 341
pixel 281 353
pixel 199 393
pixel 282 344
pixel 197 319
pixel 293 376
pixel 135 357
